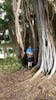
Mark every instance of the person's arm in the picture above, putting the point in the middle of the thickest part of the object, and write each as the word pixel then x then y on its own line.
pixel 22 54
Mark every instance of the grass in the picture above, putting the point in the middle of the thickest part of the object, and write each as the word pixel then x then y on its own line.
pixel 10 64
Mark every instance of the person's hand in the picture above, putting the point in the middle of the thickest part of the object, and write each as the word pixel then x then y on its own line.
pixel 22 54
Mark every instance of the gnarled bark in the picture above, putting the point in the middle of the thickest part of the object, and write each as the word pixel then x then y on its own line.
pixel 16 8
pixel 47 53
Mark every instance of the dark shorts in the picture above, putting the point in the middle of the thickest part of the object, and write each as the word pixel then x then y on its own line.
pixel 30 59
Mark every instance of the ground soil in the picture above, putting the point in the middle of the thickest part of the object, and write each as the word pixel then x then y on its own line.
pixel 19 86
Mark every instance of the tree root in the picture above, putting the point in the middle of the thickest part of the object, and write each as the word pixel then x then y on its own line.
pixel 36 74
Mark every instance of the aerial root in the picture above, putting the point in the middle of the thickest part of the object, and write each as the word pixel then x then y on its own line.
pixel 36 74
pixel 52 72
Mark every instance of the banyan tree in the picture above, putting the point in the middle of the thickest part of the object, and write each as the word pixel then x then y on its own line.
pixel 44 28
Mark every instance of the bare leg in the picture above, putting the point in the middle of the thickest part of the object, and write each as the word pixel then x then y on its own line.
pixel 29 65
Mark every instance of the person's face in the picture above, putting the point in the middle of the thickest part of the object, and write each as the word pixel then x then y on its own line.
pixel 29 46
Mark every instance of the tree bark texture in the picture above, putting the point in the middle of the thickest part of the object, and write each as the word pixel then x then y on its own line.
pixel 47 53
pixel 16 8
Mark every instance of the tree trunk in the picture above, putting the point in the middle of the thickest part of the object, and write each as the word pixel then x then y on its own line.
pixel 23 22
pixel 47 53
pixel 32 29
pixel 16 7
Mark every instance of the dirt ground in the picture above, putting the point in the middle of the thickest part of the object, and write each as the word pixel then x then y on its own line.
pixel 18 86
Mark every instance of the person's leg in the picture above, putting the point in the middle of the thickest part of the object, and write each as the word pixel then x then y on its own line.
pixel 29 64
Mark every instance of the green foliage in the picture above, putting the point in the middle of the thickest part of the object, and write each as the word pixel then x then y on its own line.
pixel 10 65
pixel 3 24
pixel 10 51
pixel 7 38
pixel 6 7
pixel 8 21
pixel 17 0
pixel 0 50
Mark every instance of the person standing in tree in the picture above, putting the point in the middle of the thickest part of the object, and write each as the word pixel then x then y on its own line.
pixel 30 56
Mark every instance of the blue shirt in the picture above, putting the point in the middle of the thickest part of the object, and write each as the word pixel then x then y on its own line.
pixel 29 50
